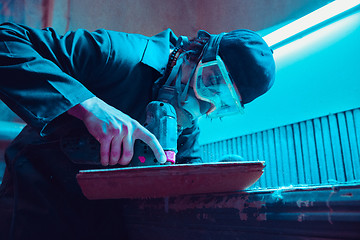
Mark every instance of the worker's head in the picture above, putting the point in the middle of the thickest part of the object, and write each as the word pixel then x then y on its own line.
pixel 221 73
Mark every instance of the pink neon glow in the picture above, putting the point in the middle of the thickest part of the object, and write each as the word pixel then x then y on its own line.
pixel 142 159
pixel 170 156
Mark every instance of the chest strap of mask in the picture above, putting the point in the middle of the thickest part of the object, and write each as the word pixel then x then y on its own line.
pixel 211 50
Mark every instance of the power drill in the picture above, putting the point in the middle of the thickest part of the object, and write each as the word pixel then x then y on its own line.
pixel 82 148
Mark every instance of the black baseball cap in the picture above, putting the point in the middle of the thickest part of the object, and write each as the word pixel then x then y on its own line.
pixel 249 60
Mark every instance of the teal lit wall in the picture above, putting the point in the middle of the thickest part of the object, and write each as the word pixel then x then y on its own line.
pixel 317 75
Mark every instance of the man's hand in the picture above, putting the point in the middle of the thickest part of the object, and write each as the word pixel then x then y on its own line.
pixel 115 131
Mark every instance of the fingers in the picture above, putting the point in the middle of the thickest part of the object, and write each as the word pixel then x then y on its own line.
pixel 120 145
pixel 128 150
pixel 114 129
pixel 111 151
pixel 147 137
pixel 115 149
pixel 105 150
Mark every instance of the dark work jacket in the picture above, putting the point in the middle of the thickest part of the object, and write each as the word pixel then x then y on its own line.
pixel 42 76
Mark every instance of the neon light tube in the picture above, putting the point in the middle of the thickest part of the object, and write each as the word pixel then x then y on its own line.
pixel 307 23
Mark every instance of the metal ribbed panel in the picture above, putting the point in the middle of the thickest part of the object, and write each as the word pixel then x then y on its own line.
pixel 319 151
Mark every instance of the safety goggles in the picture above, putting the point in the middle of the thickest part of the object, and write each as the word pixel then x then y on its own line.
pixel 213 84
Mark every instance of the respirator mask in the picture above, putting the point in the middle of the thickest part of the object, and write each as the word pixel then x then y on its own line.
pixel 209 87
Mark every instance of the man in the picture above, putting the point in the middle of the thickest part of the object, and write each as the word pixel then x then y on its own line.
pixel 103 81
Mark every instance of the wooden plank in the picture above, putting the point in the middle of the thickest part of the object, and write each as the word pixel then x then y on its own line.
pixel 314 165
pixel 244 147
pixel 345 147
pixel 335 143
pixel 228 147
pixel 168 180
pixel 292 157
pixel 279 160
pixel 268 158
pixel 231 146
pixel 254 146
pixel 254 156
pixel 260 150
pixel 216 149
pixel 329 157
pixel 209 153
pixel 219 149
pixel 234 146
pixel 207 149
pixel 211 148
pixel 299 154
pixel 285 157
pixel 273 160
pixel 320 150
pixel 355 155
pixel 238 143
pixel 249 147
pixel 305 151
pixel 225 147
pixel 356 114
pixel 202 152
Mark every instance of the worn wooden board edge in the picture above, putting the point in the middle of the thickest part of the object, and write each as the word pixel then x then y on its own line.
pixel 172 180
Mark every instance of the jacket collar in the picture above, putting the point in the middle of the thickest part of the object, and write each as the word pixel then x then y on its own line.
pixel 156 54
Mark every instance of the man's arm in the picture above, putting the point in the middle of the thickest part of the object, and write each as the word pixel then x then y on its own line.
pixel 39 89
pixel 115 131
pixel 33 86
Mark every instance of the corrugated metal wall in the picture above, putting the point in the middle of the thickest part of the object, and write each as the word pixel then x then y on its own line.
pixel 324 150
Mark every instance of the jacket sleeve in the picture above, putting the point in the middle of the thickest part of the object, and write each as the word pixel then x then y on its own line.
pixel 188 146
pixel 40 72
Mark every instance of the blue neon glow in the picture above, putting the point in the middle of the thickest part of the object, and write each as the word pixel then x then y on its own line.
pixel 315 18
pixel 316 75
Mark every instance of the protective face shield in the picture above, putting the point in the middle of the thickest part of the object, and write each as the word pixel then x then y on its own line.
pixel 209 86
pixel 213 83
